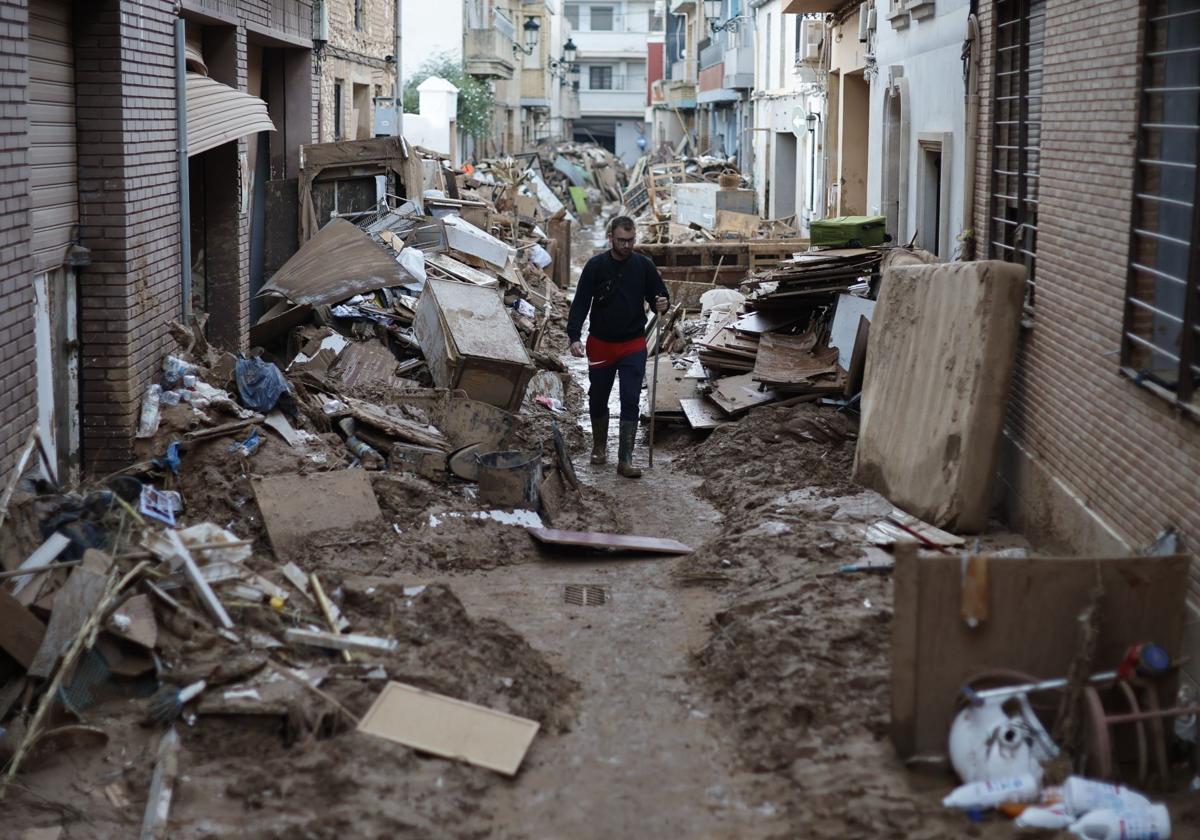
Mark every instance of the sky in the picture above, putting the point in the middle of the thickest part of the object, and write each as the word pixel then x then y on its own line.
pixel 429 27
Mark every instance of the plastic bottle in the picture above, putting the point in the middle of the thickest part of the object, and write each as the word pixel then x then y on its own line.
pixel 1082 796
pixel 1052 817
pixel 1023 788
pixel 1150 823
pixel 148 421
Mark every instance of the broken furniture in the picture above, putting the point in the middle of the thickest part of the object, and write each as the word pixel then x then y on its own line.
pixel 1030 624
pixel 470 343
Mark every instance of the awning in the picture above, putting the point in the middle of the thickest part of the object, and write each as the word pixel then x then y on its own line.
pixel 800 7
pixel 217 113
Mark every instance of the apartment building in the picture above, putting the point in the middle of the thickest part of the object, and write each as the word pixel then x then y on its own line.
pixel 611 37
pixel 790 75
pixel 919 155
pixel 726 80
pixel 520 48
pixel 97 258
pixel 357 66
pixel 1086 174
pixel 671 106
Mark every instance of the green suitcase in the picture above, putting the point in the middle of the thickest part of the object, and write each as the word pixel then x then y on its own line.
pixel 848 232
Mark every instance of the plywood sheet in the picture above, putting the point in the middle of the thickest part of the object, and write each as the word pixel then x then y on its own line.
pixel 735 394
pixel 939 364
pixel 367 363
pixel 450 728
pixel 703 413
pixel 1032 626
pixel 461 271
pixel 789 360
pixel 598 539
pixel 294 507
pixel 673 386
pixel 21 633
pixel 73 605
pixel 845 325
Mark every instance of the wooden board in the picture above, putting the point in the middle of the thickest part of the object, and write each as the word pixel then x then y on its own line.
pixel 367 363
pixel 461 271
pixel 450 728
pixel 787 360
pixel 598 539
pixel 703 413
pixel 21 633
pixel 735 394
pixel 73 605
pixel 294 507
pixel 1032 626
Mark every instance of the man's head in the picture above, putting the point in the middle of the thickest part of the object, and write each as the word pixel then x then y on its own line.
pixel 622 232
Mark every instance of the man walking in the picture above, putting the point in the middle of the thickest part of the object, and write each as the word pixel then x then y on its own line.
pixel 615 287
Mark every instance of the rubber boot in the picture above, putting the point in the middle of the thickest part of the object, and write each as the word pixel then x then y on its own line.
pixel 599 440
pixel 625 465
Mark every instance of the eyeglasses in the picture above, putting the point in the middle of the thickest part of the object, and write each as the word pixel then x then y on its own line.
pixel 623 241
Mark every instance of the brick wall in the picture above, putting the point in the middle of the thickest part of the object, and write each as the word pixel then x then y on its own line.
pixel 1123 451
pixel 356 57
pixel 129 202
pixel 18 406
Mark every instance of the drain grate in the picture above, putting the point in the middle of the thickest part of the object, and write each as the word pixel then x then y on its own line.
pixel 585 595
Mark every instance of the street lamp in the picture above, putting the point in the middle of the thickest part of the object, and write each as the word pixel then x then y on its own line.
pixel 531 28
pixel 712 12
pixel 562 67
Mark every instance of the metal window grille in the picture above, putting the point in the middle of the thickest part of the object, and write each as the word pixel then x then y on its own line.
pixel 358 15
pixel 1162 301
pixel 1017 132
pixel 337 110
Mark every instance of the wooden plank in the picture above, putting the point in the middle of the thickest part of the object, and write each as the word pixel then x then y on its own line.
pixel 43 556
pixel 703 413
pixel 73 604
pixel 295 507
pixel 341 641
pixel 1032 626
pixel 735 394
pixel 790 360
pixel 156 820
pixel 199 585
pixel 21 633
pixel 450 728
pixel 395 425
pixel 367 363
pixel 459 270
pixel 597 539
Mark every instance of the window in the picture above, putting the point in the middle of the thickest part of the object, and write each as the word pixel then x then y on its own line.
pixel 602 19
pixel 571 10
pixel 1162 315
pixel 337 110
pixel 654 22
pixel 358 15
pixel 600 77
pixel 1017 133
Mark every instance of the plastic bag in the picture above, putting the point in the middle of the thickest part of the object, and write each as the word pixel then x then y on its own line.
pixel 260 384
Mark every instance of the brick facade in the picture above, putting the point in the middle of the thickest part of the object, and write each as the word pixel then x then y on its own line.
pixel 18 406
pixel 355 57
pixel 1128 458
pixel 129 213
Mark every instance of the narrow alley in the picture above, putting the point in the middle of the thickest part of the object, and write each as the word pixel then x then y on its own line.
pixel 746 419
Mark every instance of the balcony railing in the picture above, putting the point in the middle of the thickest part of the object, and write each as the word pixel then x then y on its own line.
pixel 488 54
pixel 618 82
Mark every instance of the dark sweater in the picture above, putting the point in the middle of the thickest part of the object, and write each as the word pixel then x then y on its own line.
pixel 618 309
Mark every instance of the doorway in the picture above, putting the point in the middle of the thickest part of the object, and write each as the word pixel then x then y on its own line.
pixel 933 192
pixel 56 344
pixel 784 180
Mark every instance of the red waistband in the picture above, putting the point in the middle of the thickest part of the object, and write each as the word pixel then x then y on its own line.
pixel 603 353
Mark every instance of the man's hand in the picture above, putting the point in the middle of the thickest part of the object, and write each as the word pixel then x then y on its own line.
pixel 577 349
pixel 660 304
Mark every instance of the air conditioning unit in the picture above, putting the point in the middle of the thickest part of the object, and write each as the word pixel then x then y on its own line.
pixel 812 33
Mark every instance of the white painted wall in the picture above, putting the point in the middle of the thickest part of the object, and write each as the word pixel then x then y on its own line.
pixel 930 53
pixel 778 94
pixel 438 109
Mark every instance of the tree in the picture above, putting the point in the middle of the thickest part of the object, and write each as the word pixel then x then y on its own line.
pixel 475 100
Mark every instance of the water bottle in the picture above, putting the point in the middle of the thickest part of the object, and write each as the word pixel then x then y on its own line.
pixel 978 795
pixel 1151 823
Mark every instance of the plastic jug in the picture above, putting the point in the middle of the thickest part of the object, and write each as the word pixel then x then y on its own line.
pixel 1152 823
pixel 976 795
